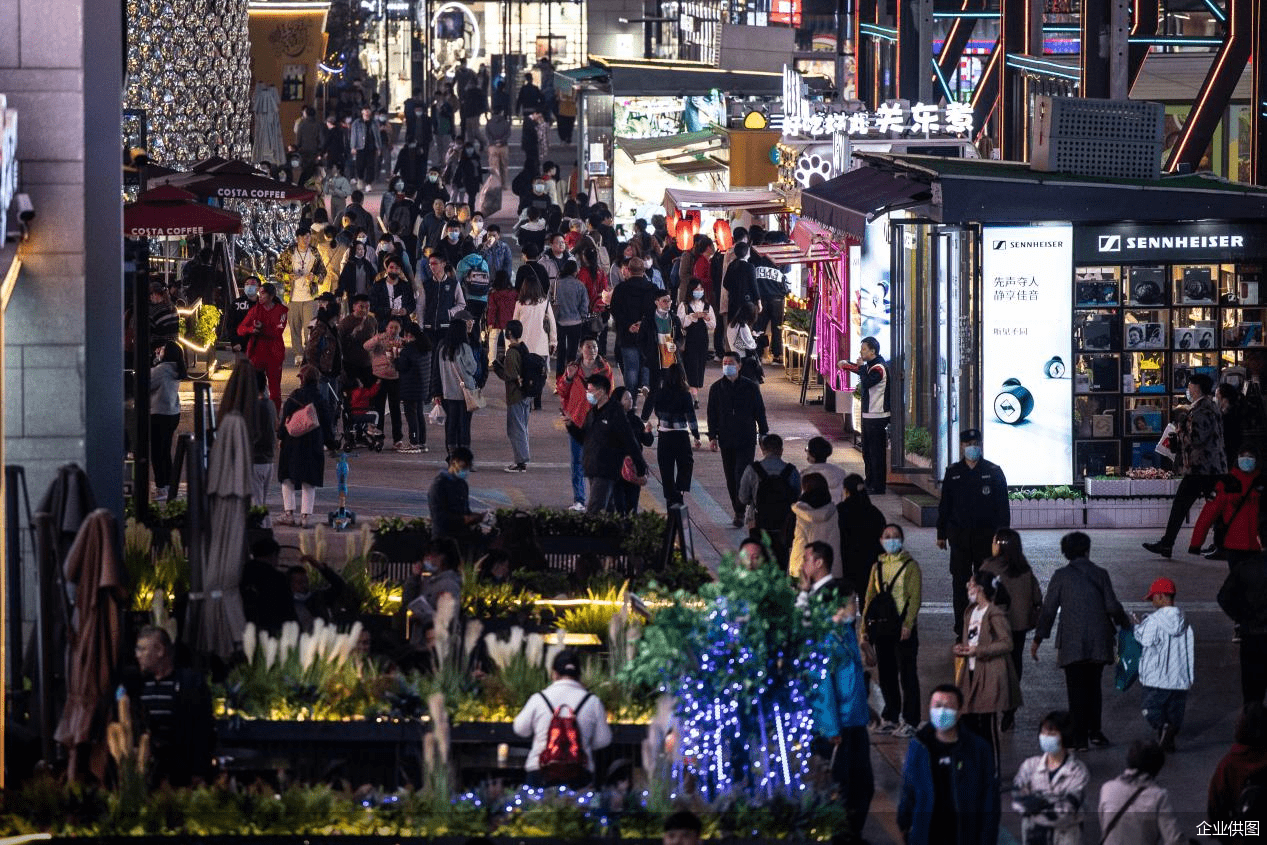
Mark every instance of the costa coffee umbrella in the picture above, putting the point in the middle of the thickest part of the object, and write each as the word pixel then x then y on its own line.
pixel 168 212
pixel 237 180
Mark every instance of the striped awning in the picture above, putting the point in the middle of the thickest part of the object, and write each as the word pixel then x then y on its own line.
pixel 810 244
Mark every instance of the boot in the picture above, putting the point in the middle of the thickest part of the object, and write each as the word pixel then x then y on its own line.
pixel 1168 738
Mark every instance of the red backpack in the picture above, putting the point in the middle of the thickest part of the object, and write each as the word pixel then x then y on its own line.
pixel 563 759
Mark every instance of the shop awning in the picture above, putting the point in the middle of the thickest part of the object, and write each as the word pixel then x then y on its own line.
pixel 683 142
pixel 753 202
pixel 810 244
pixel 976 190
pixel 692 166
pixel 651 77
pixel 847 203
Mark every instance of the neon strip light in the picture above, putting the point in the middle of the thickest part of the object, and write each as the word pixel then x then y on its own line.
pixel 1176 41
pixel 1215 10
pixel 983 15
pixel 941 79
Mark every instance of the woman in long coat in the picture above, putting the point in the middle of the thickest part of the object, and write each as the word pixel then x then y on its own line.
pixel 985 672
pixel 301 460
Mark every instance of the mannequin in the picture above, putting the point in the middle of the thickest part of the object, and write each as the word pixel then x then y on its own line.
pixel 267 140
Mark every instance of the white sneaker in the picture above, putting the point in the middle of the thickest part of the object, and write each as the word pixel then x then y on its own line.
pixel 904 731
pixel 577 506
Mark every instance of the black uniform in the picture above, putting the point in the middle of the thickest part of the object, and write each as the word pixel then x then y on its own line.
pixel 237 313
pixel 1243 597
pixel 735 409
pixel 973 506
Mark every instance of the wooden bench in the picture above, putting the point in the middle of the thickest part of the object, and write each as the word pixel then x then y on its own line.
pixel 921 509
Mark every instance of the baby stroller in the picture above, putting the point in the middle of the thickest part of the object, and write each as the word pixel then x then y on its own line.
pixel 361 423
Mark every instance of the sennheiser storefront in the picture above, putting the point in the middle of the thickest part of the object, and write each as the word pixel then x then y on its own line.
pixel 1068 340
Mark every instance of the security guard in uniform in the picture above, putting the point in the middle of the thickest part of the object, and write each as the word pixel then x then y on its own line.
pixel 973 506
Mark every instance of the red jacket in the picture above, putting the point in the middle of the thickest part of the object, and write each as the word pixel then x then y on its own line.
pixel 572 392
pixel 272 323
pixel 595 283
pixel 1229 779
pixel 1242 534
pixel 501 308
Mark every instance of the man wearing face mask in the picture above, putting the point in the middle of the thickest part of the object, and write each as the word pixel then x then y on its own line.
pixel 1200 454
pixel 839 700
pixel 356 207
pixel 736 416
pixel 432 190
pixel 973 506
pixel 950 789
pixel 238 310
pixel 450 498
pixel 606 439
pixel 1235 506
pixel 364 142
pixel 392 294
pixel 467 175
pixel 495 251
pixel 455 246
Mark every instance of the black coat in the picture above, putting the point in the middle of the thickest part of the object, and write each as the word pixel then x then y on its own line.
pixel 414 366
pixel 973 499
pixel 735 408
pixel 302 460
pixel 631 300
pixel 861 524
pixel 1243 596
pixel 741 286
pixel 381 297
pixel 606 439
pixel 649 339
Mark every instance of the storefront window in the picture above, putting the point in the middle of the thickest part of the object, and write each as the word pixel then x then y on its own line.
pixel 915 340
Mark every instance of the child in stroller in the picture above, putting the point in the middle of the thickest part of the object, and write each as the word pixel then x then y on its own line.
pixel 361 423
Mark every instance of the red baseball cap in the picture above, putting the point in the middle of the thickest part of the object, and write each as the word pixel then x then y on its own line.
pixel 1162 586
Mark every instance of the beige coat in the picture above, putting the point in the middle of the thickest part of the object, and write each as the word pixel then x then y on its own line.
pixel 992 687
pixel 811 525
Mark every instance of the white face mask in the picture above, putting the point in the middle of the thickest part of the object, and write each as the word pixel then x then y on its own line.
pixel 1050 744
pixel 729 370
pixel 697 294
pixel 943 718
pixel 892 545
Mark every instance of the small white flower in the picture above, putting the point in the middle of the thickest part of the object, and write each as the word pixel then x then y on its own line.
pixel 249 641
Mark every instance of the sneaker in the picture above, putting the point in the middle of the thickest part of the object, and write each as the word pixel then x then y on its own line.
pixel 885 728
pixel 1098 739
pixel 424 448
pixel 516 467
pixel 399 446
pixel 904 731
pixel 1158 549
pixel 287 518
pixel 411 450
pixel 577 506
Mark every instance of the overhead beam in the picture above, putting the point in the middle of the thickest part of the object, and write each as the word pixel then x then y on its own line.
pixel 1216 90
pixel 986 95
pixel 865 53
pixel 914 50
pixel 1016 31
pixel 957 39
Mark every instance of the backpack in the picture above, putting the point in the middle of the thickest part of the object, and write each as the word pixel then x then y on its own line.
pixel 532 373
pixel 774 498
pixel 1251 804
pixel 604 258
pixel 477 283
pixel 882 616
pixel 320 349
pixel 563 759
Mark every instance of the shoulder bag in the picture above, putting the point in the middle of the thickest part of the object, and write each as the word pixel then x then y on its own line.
pixel 474 398
pixel 1121 811
pixel 303 421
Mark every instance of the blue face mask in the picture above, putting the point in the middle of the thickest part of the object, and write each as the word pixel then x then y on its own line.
pixel 462 473
pixel 591 398
pixel 251 290
pixel 453 236
pixel 972 453
pixel 730 371
pixel 943 718
pixel 892 545
pixel 697 294
pixel 1246 463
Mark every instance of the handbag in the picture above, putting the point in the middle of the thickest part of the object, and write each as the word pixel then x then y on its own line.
pixel 1128 654
pixel 474 398
pixel 629 472
pixel 594 324
pixel 303 421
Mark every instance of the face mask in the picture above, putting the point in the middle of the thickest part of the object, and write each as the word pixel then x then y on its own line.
pixel 730 370
pixel 433 177
pixel 973 596
pixel 1246 464
pixel 972 453
pixel 1050 744
pixel 469 150
pixel 538 189
pixel 453 236
pixel 462 473
pixel 362 239
pixel 251 291
pixel 398 187
pixel 591 398
pixel 417 112
pixel 892 545
pixel 384 248
pixel 697 294
pixel 943 718
pixel 294 162
pixel 382 119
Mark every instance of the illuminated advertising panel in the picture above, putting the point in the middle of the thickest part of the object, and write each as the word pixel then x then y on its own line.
pixel 1026 351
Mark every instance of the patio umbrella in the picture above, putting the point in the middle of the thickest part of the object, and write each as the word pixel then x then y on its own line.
pixel 241 394
pixel 216 618
pixel 94 565
pixel 167 212
pixel 237 180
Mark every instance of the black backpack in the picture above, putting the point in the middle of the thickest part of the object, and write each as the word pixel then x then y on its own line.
pixel 882 616
pixel 773 502
pixel 532 373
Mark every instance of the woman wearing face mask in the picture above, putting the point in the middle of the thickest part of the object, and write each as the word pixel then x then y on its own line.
pixel 1019 596
pixel 625 494
pixel 555 190
pixel 986 675
pixel 301 460
pixel 457 370
pixel 698 321
pixel 861 524
pixel 677 429
pixel 392 294
pixel 165 375
pixel 1050 788
pixel 384 348
pixel 358 273
pixel 1235 509
pixel 576 407
pixel 896 642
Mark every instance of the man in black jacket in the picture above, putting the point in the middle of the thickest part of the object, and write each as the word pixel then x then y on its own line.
pixel 1243 597
pixel 772 288
pixel 736 415
pixel 740 283
pixel 873 376
pixel 973 506
pixel 606 440
pixel 659 338
pixel 631 301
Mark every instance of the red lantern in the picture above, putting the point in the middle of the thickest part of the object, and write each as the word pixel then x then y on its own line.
pixel 684 237
pixel 695 217
pixel 722 238
pixel 670 224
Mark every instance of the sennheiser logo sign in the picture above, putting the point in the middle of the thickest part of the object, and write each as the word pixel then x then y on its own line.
pixel 1110 243
pixel 1000 245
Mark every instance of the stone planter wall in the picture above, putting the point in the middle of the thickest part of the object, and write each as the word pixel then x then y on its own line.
pixel 1047 513
pixel 1128 513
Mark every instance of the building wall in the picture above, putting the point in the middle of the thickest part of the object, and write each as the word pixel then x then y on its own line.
pixel 607 36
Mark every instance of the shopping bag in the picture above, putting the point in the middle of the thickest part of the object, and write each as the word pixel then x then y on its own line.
pixel 1168 442
pixel 1128 653
pixel 436 417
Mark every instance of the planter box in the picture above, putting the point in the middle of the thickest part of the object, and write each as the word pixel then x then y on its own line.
pixel 1047 513
pixel 399 546
pixel 1154 486
pixel 1108 486
pixel 1128 513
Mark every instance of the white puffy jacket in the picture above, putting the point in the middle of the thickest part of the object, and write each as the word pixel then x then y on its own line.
pixel 1167 658
pixel 534 720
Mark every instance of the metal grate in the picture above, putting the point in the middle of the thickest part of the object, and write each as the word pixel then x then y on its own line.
pixel 1106 138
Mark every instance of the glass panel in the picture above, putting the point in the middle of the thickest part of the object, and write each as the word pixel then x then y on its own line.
pixel 1097 287
pixel 919 338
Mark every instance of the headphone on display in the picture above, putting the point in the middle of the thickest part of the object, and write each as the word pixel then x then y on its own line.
pixel 1054 368
pixel 1014 402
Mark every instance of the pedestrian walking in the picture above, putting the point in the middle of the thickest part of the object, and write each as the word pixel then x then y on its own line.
pixel 573 399
pixel 1243 598
pixel 813 518
pixel 627 492
pixel 571 306
pixel 518 403
pixel 659 339
pixel 873 378
pixel 1233 513
pixel 1083 594
pixel 264 326
pixel 413 363
pixel 166 372
pixel 1049 790
pixel 767 490
pixel 1019 596
pixel 973 507
pixel 1165 662
pixel 501 310
pixel 606 440
pixel 1133 808
pixel 985 672
pixel 891 612
pixel 676 430
pixel 457 380
pixel 817 451
pixel 1201 456
pixel 861 525
pixel 736 416
pixel 698 320
pixel 384 348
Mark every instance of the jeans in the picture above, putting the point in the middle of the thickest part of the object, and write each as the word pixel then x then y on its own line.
pixel 899 677
pixel 631 367
pixel 734 460
pixel 416 419
pixel 569 347
pixel 676 464
pixel 261 477
pixel 389 396
pixel 1082 685
pixel 162 429
pixel 1191 488
pixel 517 429
pixel 1164 707
pixel 874 440
pixel 578 471
pixel 600 493
pixel 457 425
